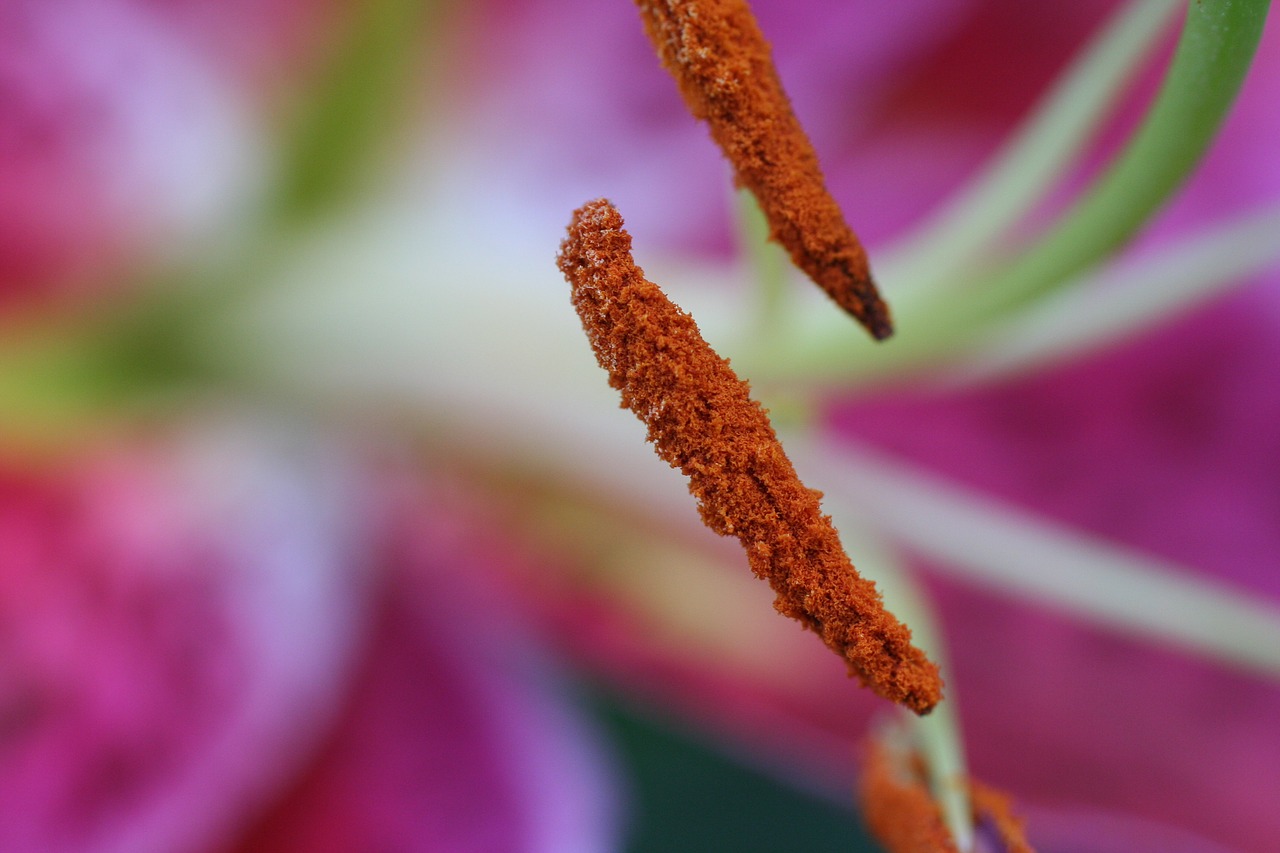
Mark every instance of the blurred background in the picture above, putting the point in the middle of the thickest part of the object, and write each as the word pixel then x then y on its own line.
pixel 320 530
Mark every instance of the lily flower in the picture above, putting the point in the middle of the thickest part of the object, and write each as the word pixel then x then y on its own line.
pixel 1057 470
pixel 222 631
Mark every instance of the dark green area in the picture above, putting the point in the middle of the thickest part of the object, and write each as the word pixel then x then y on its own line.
pixel 685 795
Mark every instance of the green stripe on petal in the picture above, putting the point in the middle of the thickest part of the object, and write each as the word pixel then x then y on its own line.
pixel 1024 555
pixel 1034 158
pixel 1213 56
pixel 937 734
pixel 1126 298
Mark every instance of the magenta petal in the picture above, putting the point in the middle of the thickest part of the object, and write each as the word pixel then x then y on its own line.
pixel 455 738
pixel 173 637
pixel 119 140
pixel 1241 171
pixel 1106 832
pixel 565 101
pixel 1166 445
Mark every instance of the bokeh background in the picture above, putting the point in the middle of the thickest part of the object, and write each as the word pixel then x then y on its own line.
pixel 320 530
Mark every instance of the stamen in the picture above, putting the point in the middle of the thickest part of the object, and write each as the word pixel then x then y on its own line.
pixel 702 420
pixel 993 808
pixel 897 806
pixel 901 814
pixel 724 67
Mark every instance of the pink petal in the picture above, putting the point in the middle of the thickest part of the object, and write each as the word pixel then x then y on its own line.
pixel 176 629
pixel 563 101
pixel 120 141
pixel 1164 444
pixel 456 738
pixel 1241 171
pixel 1078 831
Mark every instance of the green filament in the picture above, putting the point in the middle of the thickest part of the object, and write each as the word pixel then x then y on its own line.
pixel 1217 45
pixel 1052 137
pixel 937 735
pixel 1213 56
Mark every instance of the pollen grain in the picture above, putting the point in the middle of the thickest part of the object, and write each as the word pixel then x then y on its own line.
pixel 702 420
pixel 724 67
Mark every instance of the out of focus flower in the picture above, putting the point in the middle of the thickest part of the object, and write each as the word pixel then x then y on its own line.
pixel 347 218
pixel 220 633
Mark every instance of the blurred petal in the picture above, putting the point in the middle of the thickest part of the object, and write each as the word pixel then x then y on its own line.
pixel 1127 298
pixel 456 738
pixel 1106 832
pixel 1031 160
pixel 990 543
pixel 1165 445
pixel 119 141
pixel 1113 725
pixel 670 612
pixel 253 40
pixel 177 627
pixel 567 102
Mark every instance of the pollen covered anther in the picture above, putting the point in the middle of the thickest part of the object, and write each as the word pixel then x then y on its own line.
pixel 702 420
pixel 904 817
pixel 724 67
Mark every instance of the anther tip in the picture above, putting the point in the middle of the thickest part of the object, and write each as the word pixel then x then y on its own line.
pixel 878 321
